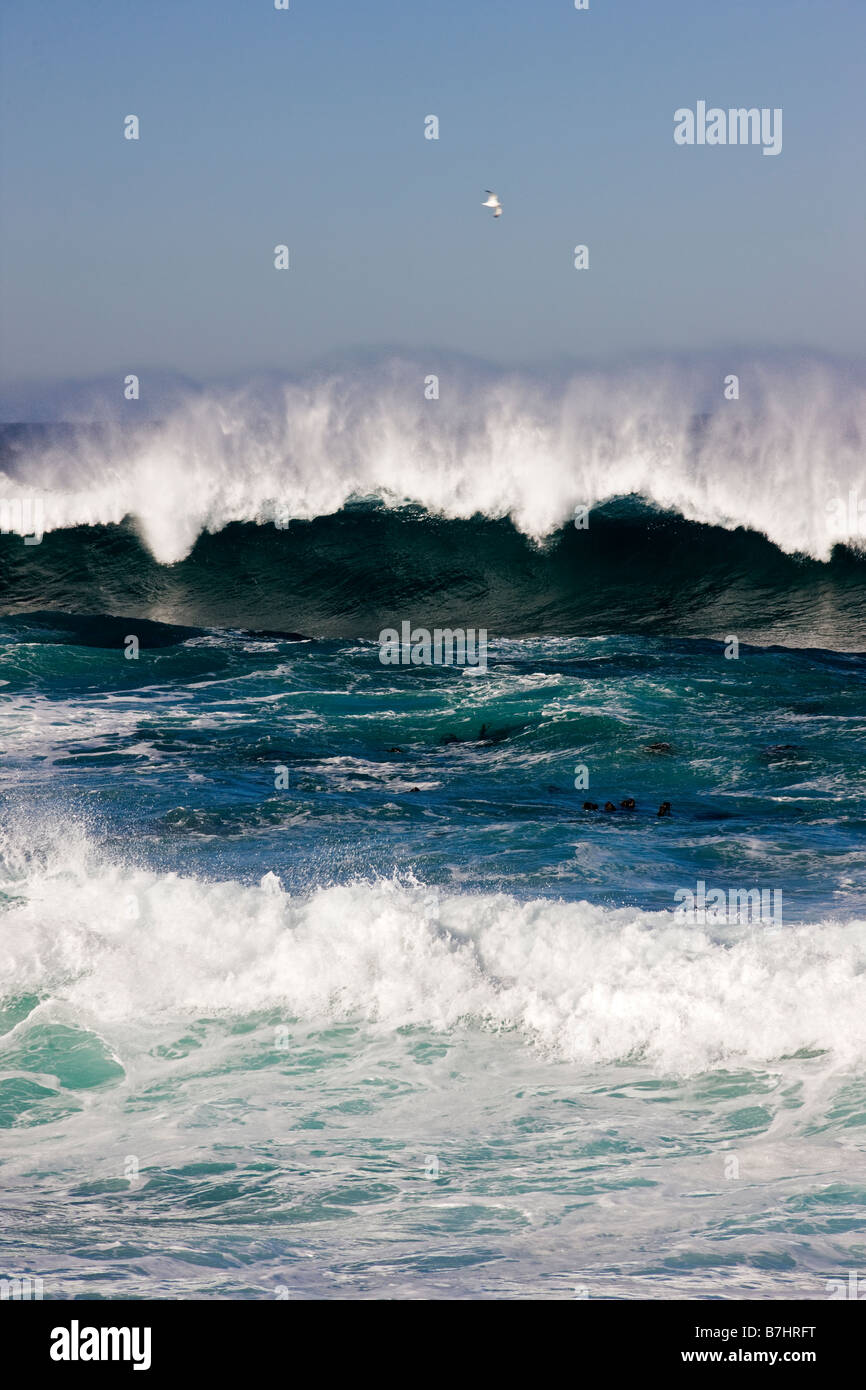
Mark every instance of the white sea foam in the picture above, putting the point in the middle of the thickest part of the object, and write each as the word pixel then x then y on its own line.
pixel 579 982
pixel 783 459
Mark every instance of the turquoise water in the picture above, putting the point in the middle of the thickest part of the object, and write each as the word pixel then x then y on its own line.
pixel 318 980
pixel 316 977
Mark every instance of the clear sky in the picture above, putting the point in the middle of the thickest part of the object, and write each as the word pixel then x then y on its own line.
pixel 306 127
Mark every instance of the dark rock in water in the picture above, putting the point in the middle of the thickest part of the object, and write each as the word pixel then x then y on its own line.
pixel 664 809
pixel 628 804
pixel 590 805
pixel 609 806
pixel 660 747
pixel 395 750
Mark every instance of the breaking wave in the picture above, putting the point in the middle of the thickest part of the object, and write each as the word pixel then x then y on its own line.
pixel 781 460
pixel 106 947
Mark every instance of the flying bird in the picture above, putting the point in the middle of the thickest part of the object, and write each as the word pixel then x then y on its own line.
pixel 493 202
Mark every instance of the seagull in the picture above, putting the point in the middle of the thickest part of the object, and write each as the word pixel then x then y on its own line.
pixel 493 202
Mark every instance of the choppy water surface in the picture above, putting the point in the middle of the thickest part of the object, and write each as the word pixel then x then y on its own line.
pixel 317 979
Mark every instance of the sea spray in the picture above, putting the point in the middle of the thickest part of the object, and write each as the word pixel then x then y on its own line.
pixel 497 445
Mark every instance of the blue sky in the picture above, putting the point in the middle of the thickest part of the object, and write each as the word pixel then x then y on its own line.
pixel 307 127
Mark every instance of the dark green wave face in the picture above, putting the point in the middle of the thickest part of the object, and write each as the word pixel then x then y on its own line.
pixel 350 575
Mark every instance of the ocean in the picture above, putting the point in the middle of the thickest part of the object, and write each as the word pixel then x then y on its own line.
pixel 317 979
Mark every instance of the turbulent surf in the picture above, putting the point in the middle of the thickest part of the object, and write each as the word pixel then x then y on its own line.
pixel 323 976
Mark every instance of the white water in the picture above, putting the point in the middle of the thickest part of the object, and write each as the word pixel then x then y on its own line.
pixel 519 1044
pixel 124 951
pixel 786 459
